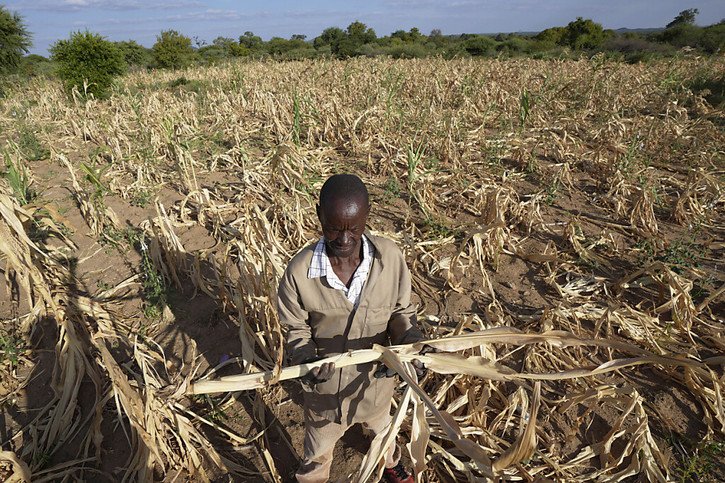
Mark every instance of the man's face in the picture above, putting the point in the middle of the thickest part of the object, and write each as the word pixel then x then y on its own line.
pixel 343 224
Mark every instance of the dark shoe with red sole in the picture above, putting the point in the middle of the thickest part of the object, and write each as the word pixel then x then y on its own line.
pixel 397 474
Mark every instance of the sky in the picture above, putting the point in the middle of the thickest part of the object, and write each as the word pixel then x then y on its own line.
pixel 142 20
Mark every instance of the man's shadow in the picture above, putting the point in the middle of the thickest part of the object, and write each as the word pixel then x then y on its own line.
pixel 202 332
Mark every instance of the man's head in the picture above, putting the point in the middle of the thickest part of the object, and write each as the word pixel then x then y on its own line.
pixel 343 213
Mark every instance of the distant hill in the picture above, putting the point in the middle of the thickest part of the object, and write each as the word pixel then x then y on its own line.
pixel 621 31
pixel 639 31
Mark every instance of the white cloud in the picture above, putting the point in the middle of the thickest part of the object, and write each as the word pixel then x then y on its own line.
pixel 79 5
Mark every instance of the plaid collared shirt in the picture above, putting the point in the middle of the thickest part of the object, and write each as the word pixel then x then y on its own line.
pixel 321 267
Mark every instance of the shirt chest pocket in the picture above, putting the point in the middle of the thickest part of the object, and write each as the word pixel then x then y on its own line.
pixel 377 319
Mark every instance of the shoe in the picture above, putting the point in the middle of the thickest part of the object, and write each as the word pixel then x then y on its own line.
pixel 397 474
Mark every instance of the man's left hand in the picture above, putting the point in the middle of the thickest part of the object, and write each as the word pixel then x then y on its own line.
pixel 419 367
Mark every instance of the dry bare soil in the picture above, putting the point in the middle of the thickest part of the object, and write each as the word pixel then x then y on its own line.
pixel 142 237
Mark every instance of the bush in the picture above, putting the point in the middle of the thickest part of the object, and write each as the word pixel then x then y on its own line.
pixel 634 49
pixel 14 41
pixel 34 65
pixel 408 51
pixel 183 84
pixel 88 58
pixel 626 45
pixel 682 35
pixel 371 50
pixel 713 38
pixel 515 46
pixel 172 50
pixel 480 45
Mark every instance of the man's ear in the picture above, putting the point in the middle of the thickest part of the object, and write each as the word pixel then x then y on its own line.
pixel 317 209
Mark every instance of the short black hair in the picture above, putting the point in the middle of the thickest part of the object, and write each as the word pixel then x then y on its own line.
pixel 343 186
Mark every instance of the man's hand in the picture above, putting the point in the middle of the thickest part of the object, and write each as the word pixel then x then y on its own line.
pixel 420 369
pixel 383 371
pixel 320 374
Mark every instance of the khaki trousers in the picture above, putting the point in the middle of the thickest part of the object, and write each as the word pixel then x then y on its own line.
pixel 321 436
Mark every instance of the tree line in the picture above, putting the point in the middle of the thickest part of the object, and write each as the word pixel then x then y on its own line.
pixel 88 56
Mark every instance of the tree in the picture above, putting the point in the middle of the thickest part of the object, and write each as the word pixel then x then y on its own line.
pixel 356 35
pixel 250 41
pixel 414 35
pixel 172 50
pixel 554 35
pixel 585 34
pixel 278 46
pixel 220 49
pixel 331 36
pixel 686 17
pixel 230 47
pixel 14 41
pixel 88 62
pixel 134 53
pixel 359 33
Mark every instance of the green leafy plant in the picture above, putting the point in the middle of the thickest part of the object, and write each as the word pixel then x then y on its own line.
pixel 699 466
pixel 182 83
pixel 297 120
pixel 10 349
pixel 413 158
pixel 436 228
pixel 31 146
pixel 19 179
pixel 552 189
pixel 524 107
pixel 391 188
pixel 142 197
pixel 154 286
pixel 93 176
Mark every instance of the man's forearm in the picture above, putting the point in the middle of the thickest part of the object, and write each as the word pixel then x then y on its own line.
pixel 300 349
pixel 403 329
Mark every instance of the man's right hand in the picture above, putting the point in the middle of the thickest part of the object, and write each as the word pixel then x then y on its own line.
pixel 320 374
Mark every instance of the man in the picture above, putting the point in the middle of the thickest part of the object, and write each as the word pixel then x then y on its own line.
pixel 347 291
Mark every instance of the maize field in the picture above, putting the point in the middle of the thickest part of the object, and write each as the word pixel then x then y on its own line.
pixel 563 221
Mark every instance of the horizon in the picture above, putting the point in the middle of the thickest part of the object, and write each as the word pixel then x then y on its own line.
pixel 50 21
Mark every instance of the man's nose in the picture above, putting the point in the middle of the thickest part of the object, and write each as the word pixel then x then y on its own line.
pixel 345 237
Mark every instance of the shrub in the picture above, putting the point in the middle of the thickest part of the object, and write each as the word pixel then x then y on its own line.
pixel 172 50
pixel 480 45
pixel 515 45
pixel 633 44
pixel 713 38
pixel 88 58
pixel 34 65
pixel 408 51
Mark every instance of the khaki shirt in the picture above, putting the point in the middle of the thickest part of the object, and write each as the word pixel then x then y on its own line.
pixel 322 322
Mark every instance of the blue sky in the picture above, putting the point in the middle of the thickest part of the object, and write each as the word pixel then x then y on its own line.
pixel 142 20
